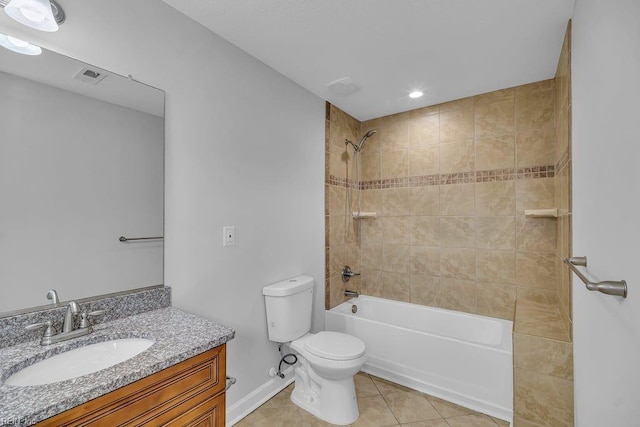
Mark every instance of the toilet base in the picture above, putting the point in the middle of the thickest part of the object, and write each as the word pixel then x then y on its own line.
pixel 333 401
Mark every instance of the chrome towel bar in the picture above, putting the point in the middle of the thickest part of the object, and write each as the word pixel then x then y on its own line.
pixel 609 287
pixel 128 239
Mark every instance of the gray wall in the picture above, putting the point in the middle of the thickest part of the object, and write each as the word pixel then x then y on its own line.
pixel 244 147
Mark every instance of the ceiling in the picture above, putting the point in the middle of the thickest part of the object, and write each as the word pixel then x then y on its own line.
pixel 58 70
pixel 449 49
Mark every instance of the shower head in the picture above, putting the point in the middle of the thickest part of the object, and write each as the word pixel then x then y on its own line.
pixel 365 137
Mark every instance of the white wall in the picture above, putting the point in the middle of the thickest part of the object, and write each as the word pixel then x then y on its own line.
pixel 244 147
pixel 606 206
pixel 75 174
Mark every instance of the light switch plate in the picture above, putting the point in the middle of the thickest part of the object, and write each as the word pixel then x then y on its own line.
pixel 229 235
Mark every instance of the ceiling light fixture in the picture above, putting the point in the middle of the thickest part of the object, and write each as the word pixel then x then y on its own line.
pixel 19 46
pixel 415 94
pixel 43 15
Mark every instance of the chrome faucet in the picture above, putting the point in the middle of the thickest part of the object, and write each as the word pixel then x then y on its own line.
pixel 69 317
pixel 351 294
pixel 69 330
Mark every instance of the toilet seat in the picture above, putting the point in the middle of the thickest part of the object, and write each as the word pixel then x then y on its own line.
pixel 334 346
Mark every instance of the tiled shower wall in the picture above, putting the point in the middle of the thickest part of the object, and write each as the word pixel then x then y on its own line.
pixel 449 184
pixel 563 179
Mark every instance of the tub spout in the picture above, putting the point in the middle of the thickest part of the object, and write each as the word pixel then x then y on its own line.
pixel 351 294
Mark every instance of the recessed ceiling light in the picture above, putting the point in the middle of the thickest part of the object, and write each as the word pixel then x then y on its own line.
pixel 42 15
pixel 19 46
pixel 415 94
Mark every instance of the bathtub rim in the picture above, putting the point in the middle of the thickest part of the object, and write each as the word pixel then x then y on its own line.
pixel 504 347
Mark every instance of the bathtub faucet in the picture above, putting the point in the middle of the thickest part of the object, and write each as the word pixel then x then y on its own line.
pixel 351 294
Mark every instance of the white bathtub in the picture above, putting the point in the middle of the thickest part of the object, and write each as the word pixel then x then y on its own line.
pixel 463 358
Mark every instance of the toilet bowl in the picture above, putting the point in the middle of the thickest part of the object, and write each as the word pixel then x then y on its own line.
pixel 324 383
pixel 327 361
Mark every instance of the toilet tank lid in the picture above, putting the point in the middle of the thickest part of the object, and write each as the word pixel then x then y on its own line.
pixel 288 287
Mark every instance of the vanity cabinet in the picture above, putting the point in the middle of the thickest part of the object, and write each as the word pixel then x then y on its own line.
pixel 190 393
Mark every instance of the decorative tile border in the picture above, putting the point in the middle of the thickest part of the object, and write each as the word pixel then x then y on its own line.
pixel 448 178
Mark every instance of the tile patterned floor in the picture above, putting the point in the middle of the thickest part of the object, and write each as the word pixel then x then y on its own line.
pixel 381 404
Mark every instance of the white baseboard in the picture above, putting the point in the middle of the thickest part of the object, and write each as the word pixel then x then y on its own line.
pixel 253 400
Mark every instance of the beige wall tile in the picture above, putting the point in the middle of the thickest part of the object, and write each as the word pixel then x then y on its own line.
pixel 425 289
pixel 396 286
pixel 371 167
pixel 374 143
pixel 371 282
pixel 371 231
pixel 425 230
pixel 495 153
pixel 458 104
pixel 457 231
pixel 339 161
pixel 371 200
pixel 424 129
pixel 543 399
pixel 535 109
pixel 541 321
pixel 496 198
pixel 395 258
pixel 424 200
pixel 496 232
pixel 456 125
pixel 497 95
pixel 517 422
pixel 495 118
pixel 337 229
pixel 458 263
pixel 535 234
pixel 535 147
pixel 395 201
pixel 394 132
pixel 536 270
pixel 336 291
pixel 543 355
pixel 457 156
pixel 458 294
pixel 424 160
pixel 534 194
pixel 496 267
pixel 371 255
pixel 396 229
pixel 457 199
pixel 395 164
pixel 425 260
pixel 537 296
pixel 337 200
pixel 496 301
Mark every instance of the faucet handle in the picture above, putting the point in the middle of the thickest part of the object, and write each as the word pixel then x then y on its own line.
pixel 84 321
pixel 48 325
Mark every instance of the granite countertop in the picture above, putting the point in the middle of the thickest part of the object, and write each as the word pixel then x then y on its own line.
pixel 177 336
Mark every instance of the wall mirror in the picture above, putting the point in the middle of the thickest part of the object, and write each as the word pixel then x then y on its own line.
pixel 81 164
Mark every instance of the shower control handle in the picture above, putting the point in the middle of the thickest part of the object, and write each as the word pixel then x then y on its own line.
pixel 348 274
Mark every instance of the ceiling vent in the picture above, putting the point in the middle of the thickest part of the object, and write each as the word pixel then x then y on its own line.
pixel 344 86
pixel 91 76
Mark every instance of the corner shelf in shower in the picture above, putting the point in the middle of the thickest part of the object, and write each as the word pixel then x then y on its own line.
pixel 364 215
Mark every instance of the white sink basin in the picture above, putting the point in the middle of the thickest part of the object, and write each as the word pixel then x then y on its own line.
pixel 80 361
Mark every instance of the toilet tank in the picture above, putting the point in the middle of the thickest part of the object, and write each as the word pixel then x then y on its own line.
pixel 289 306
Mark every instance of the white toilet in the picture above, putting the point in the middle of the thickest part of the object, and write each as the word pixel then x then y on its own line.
pixel 327 361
